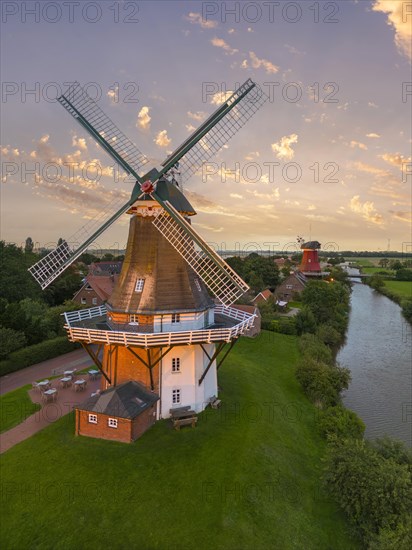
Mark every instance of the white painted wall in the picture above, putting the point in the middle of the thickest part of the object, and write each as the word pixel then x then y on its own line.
pixel 188 321
pixel 193 362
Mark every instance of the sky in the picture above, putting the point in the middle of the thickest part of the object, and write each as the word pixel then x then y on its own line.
pixel 327 157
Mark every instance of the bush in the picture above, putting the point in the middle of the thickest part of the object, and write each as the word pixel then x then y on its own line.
pixel 407 310
pixel 396 450
pixel 284 325
pixel 375 493
pixel 404 275
pixel 329 335
pixel 305 321
pixel 341 423
pixel 394 539
pixel 322 383
pixel 35 354
pixel 310 346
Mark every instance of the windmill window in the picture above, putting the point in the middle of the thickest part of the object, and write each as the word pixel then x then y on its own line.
pixel 93 418
pixel 112 422
pixel 134 319
pixel 175 317
pixel 139 285
pixel 197 283
pixel 176 397
pixel 176 364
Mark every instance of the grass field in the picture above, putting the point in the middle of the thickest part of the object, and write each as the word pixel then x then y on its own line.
pixel 372 270
pixel 248 477
pixel 15 407
pixel 403 289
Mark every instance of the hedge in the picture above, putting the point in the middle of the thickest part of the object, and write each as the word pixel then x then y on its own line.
pixel 35 354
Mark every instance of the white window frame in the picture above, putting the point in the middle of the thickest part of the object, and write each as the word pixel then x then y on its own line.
pixel 92 418
pixel 139 285
pixel 175 365
pixel 83 301
pixel 94 301
pixel 176 396
pixel 175 317
pixel 112 422
pixel 289 287
pixel 133 318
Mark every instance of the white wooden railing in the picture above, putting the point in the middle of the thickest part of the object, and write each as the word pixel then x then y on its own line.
pixel 156 339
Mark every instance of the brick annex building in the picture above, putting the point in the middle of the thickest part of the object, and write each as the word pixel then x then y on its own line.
pixel 159 339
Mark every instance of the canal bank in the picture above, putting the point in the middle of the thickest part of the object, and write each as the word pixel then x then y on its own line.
pixel 378 353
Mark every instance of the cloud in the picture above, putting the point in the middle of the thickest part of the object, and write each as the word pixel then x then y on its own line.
pixel 371 169
pixel 399 18
pixel 199 115
pixel 354 144
pixel 244 64
pixel 190 127
pixel 293 50
pixel 197 19
pixel 367 210
pixel 396 159
pixel 373 135
pixel 220 43
pixel 143 118
pixel 283 147
pixel 162 139
pixel 220 97
pixel 209 227
pixel 372 104
pixel 402 216
pixel 79 142
pixel 235 196
pixel 269 67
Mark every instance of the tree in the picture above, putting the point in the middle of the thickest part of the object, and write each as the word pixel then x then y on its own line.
pixel 404 274
pixel 305 321
pixel 10 340
pixel 395 265
pixel 60 241
pixel 384 262
pixel 16 282
pixel 376 282
pixel 28 247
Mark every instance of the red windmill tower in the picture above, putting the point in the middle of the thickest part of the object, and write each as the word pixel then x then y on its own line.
pixel 310 261
pixel 160 338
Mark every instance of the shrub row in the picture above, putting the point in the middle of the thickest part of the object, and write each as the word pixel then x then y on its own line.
pixel 35 354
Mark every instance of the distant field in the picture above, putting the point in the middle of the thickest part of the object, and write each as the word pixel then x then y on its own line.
pixel 372 270
pixel 364 262
pixel 403 289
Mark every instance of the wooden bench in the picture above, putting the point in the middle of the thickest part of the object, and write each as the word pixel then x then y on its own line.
pixel 214 402
pixel 183 416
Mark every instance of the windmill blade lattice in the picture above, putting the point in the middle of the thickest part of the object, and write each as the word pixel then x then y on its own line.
pixel 218 129
pixel 224 283
pixel 85 110
pixel 46 270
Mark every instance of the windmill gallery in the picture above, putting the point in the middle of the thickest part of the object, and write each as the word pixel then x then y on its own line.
pixel 161 337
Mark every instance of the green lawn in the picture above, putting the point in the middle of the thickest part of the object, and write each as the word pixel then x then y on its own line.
pixel 248 477
pixel 373 270
pixel 403 289
pixel 15 407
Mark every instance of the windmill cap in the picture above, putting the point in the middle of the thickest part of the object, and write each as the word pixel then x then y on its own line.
pixel 313 245
pixel 167 191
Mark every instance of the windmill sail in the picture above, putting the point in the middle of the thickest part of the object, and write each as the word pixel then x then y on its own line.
pixel 224 283
pixel 85 110
pixel 217 130
pixel 46 270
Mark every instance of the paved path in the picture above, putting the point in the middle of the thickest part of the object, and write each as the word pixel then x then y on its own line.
pixel 77 359
pixel 66 399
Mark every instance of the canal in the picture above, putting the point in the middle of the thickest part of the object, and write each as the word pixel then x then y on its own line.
pixel 378 352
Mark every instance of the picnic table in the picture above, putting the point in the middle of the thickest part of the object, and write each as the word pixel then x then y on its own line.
pixel 44 385
pixel 69 372
pixel 50 395
pixel 93 374
pixel 66 381
pixel 80 385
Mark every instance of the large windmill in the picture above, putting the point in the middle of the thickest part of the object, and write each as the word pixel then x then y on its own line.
pixel 160 305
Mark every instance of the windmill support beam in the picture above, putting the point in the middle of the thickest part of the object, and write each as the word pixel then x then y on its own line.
pixel 232 343
pixel 150 364
pixel 211 360
pixel 95 358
